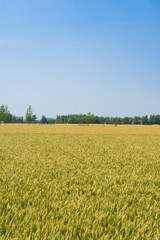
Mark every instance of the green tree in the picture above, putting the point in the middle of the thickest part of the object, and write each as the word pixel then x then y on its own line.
pixel 157 119
pixel 90 118
pixel 51 120
pixel 5 115
pixel 126 120
pixel 144 120
pixel 34 117
pixel 43 119
pixel 136 120
pixel 30 117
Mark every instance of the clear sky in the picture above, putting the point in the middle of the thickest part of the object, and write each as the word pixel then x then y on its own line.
pixel 76 56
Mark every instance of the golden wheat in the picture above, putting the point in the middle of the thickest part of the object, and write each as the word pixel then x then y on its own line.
pixel 79 182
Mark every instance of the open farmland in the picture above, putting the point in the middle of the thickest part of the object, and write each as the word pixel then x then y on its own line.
pixel 79 182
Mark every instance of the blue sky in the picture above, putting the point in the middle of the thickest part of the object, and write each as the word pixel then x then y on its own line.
pixel 76 56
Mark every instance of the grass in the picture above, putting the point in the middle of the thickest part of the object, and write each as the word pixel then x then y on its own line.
pixel 79 182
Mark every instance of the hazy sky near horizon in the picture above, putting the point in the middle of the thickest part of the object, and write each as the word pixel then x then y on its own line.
pixel 76 56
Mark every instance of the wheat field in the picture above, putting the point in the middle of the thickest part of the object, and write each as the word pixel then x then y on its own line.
pixel 79 182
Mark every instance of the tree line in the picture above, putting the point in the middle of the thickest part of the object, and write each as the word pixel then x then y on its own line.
pixel 90 118
pixel 7 117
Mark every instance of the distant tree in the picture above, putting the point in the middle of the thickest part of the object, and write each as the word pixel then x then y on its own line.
pixel 43 120
pixel 29 114
pixel 34 117
pixel 157 119
pixel 107 120
pixel 144 120
pixel 30 117
pixel 101 119
pixel 14 119
pixel 126 120
pixel 90 118
pixel 119 120
pixel 136 120
pixel 5 115
pixel 112 120
pixel 20 120
pixel 151 119
pixel 73 118
pixel 97 120
pixel 51 120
